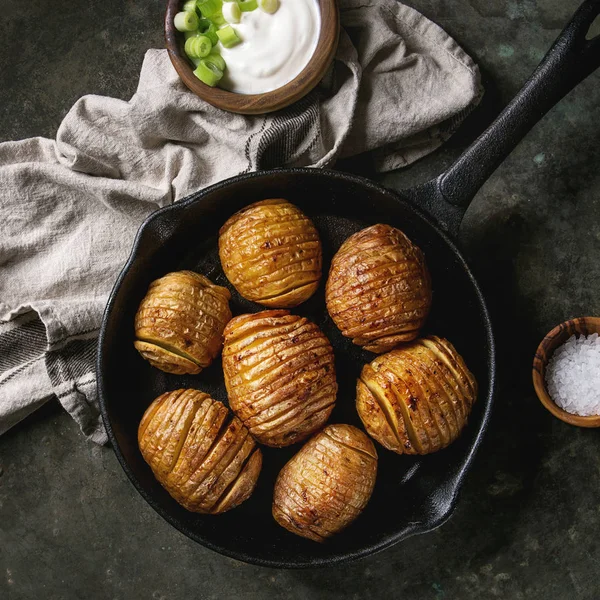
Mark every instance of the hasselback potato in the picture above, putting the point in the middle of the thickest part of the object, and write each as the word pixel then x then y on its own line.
pixel 271 252
pixel 280 375
pixel 200 453
pixel 416 399
pixel 379 291
pixel 324 487
pixel 179 324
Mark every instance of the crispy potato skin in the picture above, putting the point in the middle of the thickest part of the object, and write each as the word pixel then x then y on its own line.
pixel 279 374
pixel 271 253
pixel 179 324
pixel 378 291
pixel 324 487
pixel 416 399
pixel 201 454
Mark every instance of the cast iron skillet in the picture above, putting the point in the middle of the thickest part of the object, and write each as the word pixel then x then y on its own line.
pixel 412 495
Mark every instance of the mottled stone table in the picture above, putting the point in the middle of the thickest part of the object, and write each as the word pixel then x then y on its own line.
pixel 527 525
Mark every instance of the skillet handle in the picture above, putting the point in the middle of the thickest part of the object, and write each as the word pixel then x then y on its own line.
pixel 570 60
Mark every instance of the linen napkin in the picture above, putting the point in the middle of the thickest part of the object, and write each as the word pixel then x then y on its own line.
pixel 70 207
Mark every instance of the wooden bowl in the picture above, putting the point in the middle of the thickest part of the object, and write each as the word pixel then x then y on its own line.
pixel 558 336
pixel 256 104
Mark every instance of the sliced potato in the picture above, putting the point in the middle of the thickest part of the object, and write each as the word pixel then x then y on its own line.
pixel 280 375
pixel 416 399
pixel 378 291
pixel 201 454
pixel 179 324
pixel 327 484
pixel 271 253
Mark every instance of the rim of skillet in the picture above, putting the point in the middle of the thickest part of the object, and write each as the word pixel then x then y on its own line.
pixel 391 539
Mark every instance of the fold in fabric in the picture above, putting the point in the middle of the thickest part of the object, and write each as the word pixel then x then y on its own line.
pixel 70 207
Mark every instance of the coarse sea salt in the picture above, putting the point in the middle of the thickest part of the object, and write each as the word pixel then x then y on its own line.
pixel 573 375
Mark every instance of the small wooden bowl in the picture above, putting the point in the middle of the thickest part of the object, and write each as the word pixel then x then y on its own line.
pixel 559 335
pixel 256 104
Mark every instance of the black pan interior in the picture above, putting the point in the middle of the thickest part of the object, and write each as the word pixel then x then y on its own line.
pixel 411 495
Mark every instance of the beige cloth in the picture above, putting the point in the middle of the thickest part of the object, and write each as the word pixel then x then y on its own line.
pixel 70 207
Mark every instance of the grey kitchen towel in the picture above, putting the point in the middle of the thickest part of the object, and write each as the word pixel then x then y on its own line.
pixel 70 207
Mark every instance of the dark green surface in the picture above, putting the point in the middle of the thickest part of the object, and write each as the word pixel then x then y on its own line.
pixel 72 526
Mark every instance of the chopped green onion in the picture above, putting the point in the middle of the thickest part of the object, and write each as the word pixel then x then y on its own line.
pixel 228 37
pixel 189 6
pixel 248 5
pixel 186 21
pixel 210 7
pixel 218 19
pixel 269 6
pixel 195 60
pixel 211 33
pixel 208 73
pixel 198 47
pixel 207 28
pixel 232 12
pixel 217 60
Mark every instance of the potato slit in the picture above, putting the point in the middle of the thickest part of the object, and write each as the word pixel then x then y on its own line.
pixel 152 316
pixel 165 434
pixel 387 341
pixel 253 356
pixel 349 447
pixel 273 372
pixel 300 243
pixel 261 328
pixel 264 347
pixel 208 421
pixel 399 331
pixel 150 414
pixel 387 413
pixel 411 427
pixel 183 436
pixel 313 344
pixel 324 488
pixel 289 426
pixel 294 528
pixel 210 476
pixel 312 527
pixel 169 434
pixel 183 304
pixel 446 406
pixel 158 426
pixel 249 335
pixel 232 483
pixel 352 293
pixel 286 267
pixel 414 306
pixel 227 459
pixel 442 382
pixel 316 397
pixel 241 480
pixel 164 346
pixel 192 304
pixel 457 363
pixel 456 396
pixel 444 436
pixel 282 220
pixel 222 431
pixel 442 353
pixel 261 388
pixel 291 289
pixel 408 424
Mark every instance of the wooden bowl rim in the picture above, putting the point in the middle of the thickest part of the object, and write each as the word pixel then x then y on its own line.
pixel 257 104
pixel 546 348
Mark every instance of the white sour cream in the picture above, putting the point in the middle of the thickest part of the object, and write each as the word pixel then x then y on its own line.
pixel 275 48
